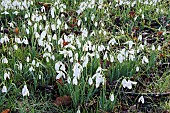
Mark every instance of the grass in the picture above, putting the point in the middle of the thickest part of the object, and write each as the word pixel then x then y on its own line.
pixel 83 51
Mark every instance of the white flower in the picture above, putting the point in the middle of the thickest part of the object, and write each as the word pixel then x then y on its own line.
pixel 159 48
pixel 86 60
pixel 153 47
pixel 78 111
pixel 15 12
pixel 112 97
pixel 79 22
pixel 77 70
pixel 28 59
pixel 65 26
pixel 141 99
pixel 111 58
pixel 58 22
pixel 137 69
pixel 142 16
pixel 15 47
pixel 90 81
pixel 25 91
pixel 25 41
pixel 112 41
pixel 75 82
pixel 68 80
pixel 5 60
pixel 4 89
pixel 130 43
pixel 5 39
pixel 105 56
pixel 52 12
pixel 140 38
pixel 6 75
pixel 33 62
pixel 18 40
pixel 39 76
pixel 5 12
pixel 53 27
pixel 145 60
pixel 31 69
pixel 128 83
pixel 60 74
pixel 120 58
pixel 99 79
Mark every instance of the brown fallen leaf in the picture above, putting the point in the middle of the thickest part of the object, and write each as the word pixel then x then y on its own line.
pixel 159 33
pixel 60 81
pixel 16 31
pixel 65 43
pixel 63 101
pixel 6 111
pixel 132 14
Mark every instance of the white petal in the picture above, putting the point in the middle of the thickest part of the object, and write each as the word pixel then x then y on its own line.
pixel 112 97
pixel 4 89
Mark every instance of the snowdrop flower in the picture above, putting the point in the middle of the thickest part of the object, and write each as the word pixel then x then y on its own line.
pixel 4 89
pixel 78 43
pixel 141 99
pixel 54 37
pixel 79 22
pixel 5 60
pixel 52 12
pixel 75 82
pixel 137 69
pixel 77 70
pixel 65 26
pixel 31 69
pixel 5 39
pixel 86 60
pixel 58 22
pixel 18 40
pixel 142 16
pixel 128 83
pixel 57 66
pixel 25 91
pixel 112 97
pixel 105 56
pixel 15 12
pixel 120 57
pixel 5 13
pixel 15 47
pixel 90 81
pixel 145 60
pixel 99 79
pixel 6 75
pixel 153 47
pixel 28 59
pixel 101 48
pixel 37 64
pixel 159 48
pixel 25 41
pixel 131 57
pixel 33 62
pixel 112 41
pixel 68 80
pixel 92 17
pixel 60 74
pixel 140 38
pixel 84 33
pixel 111 58
pixel 130 43
pixel 53 27
pixel 43 34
